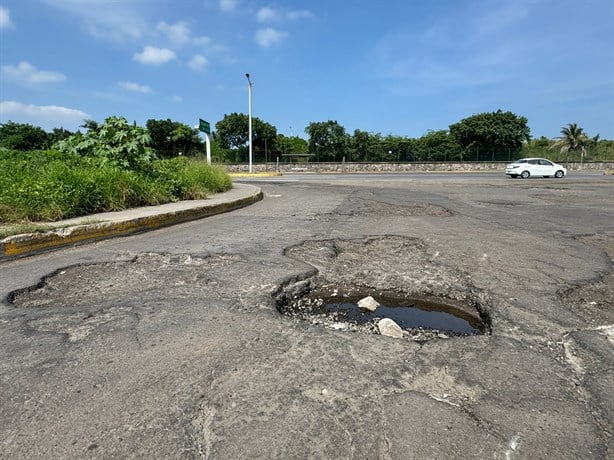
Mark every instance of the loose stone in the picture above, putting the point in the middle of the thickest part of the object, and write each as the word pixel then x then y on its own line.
pixel 368 303
pixel 389 328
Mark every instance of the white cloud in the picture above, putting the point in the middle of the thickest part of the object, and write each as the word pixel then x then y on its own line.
pixel 198 62
pixel 299 14
pixel 177 99
pixel 25 72
pixel 201 41
pixel 135 87
pixel 154 56
pixel 118 20
pixel 267 14
pixel 228 5
pixel 269 36
pixel 178 33
pixel 45 116
pixel 5 18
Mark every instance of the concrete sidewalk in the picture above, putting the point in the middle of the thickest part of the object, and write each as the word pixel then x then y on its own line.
pixel 119 223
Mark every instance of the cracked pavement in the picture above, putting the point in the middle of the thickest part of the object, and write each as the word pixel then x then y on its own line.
pixel 168 344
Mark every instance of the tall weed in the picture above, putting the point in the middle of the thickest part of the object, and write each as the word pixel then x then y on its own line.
pixel 49 186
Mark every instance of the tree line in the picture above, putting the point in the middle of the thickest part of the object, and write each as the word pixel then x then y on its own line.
pixel 490 136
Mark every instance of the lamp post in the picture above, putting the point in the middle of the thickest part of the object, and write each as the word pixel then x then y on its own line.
pixel 249 95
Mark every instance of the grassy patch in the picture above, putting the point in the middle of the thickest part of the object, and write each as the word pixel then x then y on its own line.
pixel 49 186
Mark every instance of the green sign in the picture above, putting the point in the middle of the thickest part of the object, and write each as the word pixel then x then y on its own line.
pixel 204 126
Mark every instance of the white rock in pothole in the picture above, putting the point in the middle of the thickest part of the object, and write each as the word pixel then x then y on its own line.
pixel 368 303
pixel 389 328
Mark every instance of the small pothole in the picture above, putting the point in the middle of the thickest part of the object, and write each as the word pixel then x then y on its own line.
pixel 419 317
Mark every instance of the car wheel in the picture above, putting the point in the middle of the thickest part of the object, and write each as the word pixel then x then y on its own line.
pixel 559 174
pixel 525 174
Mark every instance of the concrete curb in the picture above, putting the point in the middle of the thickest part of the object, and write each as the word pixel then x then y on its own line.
pixel 128 222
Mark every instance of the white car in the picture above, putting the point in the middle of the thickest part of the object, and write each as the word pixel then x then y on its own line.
pixel 527 167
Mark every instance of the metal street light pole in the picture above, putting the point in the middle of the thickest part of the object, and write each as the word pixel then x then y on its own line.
pixel 249 92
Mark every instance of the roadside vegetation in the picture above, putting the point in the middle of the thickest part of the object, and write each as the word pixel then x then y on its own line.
pixel 107 169
pixel 114 165
pixel 490 136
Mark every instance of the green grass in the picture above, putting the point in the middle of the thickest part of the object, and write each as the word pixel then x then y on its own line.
pixel 50 186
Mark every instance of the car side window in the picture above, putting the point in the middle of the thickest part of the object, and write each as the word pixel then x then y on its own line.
pixel 545 163
pixel 533 162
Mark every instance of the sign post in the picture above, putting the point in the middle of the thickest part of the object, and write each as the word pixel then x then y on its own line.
pixel 205 127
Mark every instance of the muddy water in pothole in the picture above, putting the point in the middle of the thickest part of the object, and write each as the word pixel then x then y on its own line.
pixel 407 313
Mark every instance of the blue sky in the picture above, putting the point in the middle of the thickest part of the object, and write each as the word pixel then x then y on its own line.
pixel 398 67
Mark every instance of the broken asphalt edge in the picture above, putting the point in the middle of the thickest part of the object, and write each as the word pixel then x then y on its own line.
pixel 155 217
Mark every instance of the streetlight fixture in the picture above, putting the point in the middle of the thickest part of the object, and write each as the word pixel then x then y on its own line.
pixel 249 93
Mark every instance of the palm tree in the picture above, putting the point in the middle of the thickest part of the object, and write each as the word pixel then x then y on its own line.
pixel 573 140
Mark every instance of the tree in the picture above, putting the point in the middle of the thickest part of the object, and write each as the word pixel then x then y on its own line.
pixel 398 148
pixel 90 125
pixel 543 141
pixel 365 146
pixel 59 134
pixel 405 148
pixel 115 141
pixel 291 145
pixel 170 138
pixel 437 146
pixel 264 138
pixel 360 146
pixel 604 150
pixel 327 140
pixel 233 133
pixel 24 137
pixel 494 134
pixel 573 140
pixel 540 147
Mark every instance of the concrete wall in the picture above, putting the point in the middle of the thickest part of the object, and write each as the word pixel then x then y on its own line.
pixel 399 167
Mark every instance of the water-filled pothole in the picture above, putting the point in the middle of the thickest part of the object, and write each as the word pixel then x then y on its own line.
pixel 407 313
pixel 418 316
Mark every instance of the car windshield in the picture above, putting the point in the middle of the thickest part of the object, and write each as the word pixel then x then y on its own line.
pixel 521 161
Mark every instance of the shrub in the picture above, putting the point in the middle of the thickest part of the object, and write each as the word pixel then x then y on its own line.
pixel 115 141
pixel 189 179
pixel 50 185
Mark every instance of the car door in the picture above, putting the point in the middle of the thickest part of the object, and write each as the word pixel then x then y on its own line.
pixel 534 167
pixel 546 168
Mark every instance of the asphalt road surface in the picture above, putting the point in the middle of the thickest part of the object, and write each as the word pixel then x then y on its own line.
pixel 169 344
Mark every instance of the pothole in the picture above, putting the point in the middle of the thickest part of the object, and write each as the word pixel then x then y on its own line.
pixel 418 317
pixel 151 275
pixel 357 206
pixel 408 312
pixel 411 292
